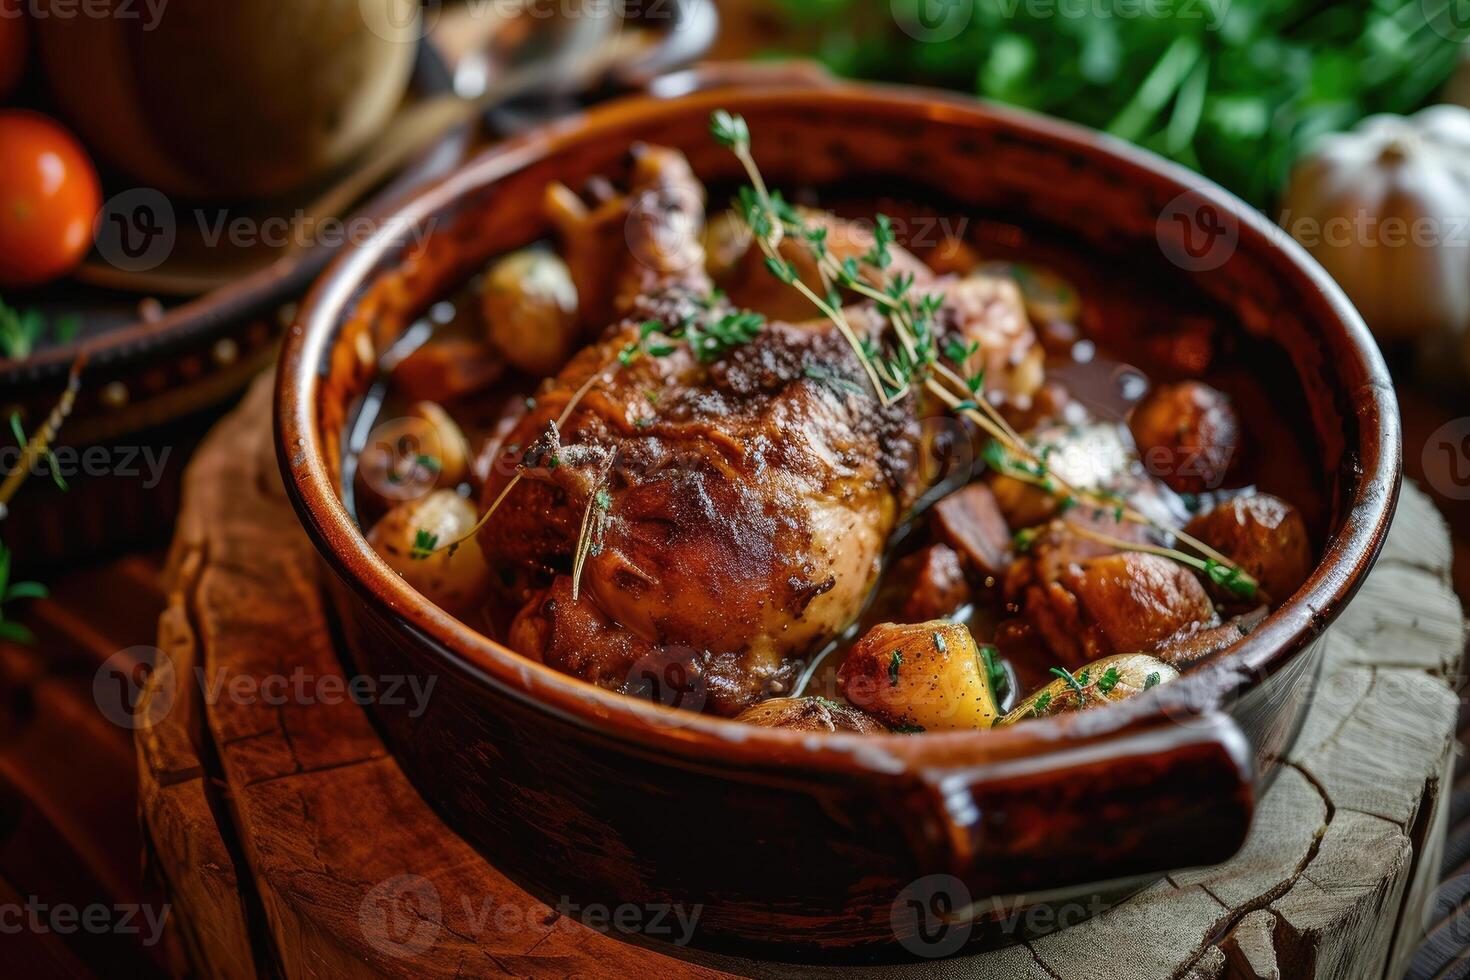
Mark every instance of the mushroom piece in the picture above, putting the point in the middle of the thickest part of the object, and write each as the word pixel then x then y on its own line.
pixel 1264 535
pixel 1127 600
pixel 810 714
pixel 1188 435
pixel 970 522
pixel 936 583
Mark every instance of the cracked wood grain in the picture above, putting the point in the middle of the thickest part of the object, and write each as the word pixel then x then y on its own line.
pixel 355 873
pixel 352 871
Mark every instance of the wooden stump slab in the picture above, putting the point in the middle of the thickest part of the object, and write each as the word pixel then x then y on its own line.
pixel 258 807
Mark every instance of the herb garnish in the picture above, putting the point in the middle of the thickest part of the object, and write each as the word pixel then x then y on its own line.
pixel 911 357
pixel 22 330
pixel 995 672
pixel 893 666
pixel 11 591
pixel 1077 683
pixel 424 544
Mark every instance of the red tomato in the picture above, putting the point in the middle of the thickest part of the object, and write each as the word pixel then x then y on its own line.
pixel 12 45
pixel 49 198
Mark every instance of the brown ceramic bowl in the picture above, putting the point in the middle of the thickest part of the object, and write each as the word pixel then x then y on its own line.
pixel 792 844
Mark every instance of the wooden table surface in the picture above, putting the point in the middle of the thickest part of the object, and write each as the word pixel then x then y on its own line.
pixel 299 806
pixel 68 799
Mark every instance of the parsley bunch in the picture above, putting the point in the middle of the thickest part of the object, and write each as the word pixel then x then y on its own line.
pixel 1237 89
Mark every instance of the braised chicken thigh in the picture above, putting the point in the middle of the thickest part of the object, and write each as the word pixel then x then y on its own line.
pixel 741 506
pixel 785 465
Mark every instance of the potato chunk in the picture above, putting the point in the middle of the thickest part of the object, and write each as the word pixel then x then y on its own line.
pixel 810 715
pixel 453 582
pixel 924 675
pixel 530 307
pixel 1100 682
pixel 1264 535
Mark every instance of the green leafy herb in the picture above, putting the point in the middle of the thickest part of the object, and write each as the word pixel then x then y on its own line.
pixel 893 666
pixel 1042 702
pixel 728 130
pixel 424 544
pixel 1231 578
pixel 907 729
pixel 1108 680
pixel 1077 684
pixel 1237 90
pixel 22 330
pixel 906 357
pixel 1152 680
pixel 11 592
pixel 995 672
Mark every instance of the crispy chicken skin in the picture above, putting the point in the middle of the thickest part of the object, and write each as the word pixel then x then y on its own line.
pixel 738 507
pixel 744 503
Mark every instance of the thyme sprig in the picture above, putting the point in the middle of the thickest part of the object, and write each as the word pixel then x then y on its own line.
pixel 22 330
pixel 35 447
pixel 1232 578
pixel 912 358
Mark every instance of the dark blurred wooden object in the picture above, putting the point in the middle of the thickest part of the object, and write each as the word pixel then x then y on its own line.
pixel 68 826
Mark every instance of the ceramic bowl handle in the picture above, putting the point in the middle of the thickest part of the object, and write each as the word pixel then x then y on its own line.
pixel 1173 795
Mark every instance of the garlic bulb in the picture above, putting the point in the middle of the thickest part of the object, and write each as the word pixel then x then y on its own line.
pixel 1385 209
